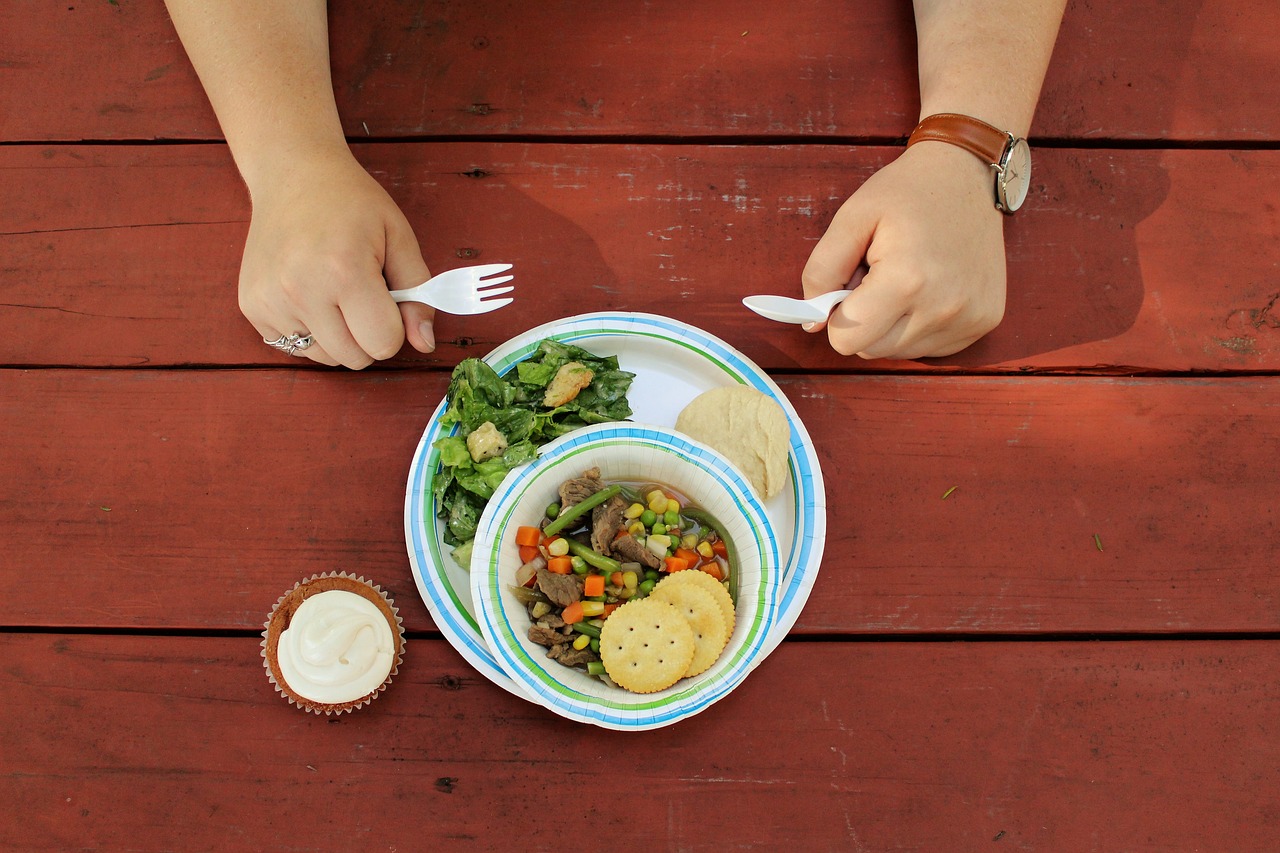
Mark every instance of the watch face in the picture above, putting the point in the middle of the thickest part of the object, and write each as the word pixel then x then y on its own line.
pixel 1015 179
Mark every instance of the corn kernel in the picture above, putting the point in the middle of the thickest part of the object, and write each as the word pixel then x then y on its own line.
pixel 592 608
pixel 582 642
pixel 690 541
pixel 658 503
pixel 705 549
pixel 673 505
pixel 540 609
pixel 558 547
pixel 629 580
pixel 636 529
pixel 633 511
pixel 654 495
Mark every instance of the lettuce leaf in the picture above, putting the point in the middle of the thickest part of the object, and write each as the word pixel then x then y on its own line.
pixel 513 404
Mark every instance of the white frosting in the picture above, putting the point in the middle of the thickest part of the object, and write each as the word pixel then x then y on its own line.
pixel 338 647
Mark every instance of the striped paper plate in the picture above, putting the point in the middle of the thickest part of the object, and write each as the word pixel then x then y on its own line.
pixel 673 363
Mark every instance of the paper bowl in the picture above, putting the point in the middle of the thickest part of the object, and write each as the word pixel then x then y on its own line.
pixel 637 453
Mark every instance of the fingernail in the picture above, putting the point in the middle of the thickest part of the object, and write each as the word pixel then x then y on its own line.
pixel 809 327
pixel 428 335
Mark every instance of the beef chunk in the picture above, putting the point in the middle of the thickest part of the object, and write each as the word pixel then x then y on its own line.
pixel 580 488
pixel 569 656
pixel 552 620
pixel 628 550
pixel 547 636
pixel 605 521
pixel 563 590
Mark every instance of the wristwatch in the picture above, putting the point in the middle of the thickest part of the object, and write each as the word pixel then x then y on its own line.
pixel 999 149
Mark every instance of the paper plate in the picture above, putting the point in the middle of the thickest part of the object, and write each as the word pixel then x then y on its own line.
pixel 673 362
pixel 634 453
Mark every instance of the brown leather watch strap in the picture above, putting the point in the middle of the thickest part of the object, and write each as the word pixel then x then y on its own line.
pixel 974 136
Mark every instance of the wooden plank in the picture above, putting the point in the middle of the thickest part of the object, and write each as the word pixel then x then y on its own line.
pixel 723 68
pixel 156 743
pixel 1121 261
pixel 120 487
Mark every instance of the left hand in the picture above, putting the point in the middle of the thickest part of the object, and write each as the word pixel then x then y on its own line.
pixel 932 242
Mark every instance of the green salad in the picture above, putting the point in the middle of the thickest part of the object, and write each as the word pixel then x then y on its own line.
pixel 503 420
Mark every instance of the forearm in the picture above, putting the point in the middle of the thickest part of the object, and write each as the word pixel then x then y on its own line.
pixel 264 65
pixel 985 58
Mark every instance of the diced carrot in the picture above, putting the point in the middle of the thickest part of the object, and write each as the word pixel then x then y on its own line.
pixel 721 549
pixel 616 578
pixel 593 585
pixel 713 568
pixel 675 564
pixel 528 552
pixel 690 557
pixel 572 613
pixel 528 535
pixel 609 608
pixel 560 565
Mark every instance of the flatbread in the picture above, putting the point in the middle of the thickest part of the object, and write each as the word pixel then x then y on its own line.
pixel 748 427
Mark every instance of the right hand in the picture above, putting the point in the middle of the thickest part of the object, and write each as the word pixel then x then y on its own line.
pixel 325 242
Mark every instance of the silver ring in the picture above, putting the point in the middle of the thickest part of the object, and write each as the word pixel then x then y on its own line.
pixel 291 344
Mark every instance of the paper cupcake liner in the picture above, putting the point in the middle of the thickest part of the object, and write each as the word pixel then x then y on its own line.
pixel 278 620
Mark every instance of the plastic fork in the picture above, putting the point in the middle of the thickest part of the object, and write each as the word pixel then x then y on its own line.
pixel 464 290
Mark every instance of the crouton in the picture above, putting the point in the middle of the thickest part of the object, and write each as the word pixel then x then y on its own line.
pixel 485 442
pixel 568 381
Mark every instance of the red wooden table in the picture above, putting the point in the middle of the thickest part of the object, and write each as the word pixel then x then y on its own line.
pixel 1078 649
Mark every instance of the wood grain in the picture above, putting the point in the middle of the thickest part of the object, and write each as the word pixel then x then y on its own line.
pixel 1124 260
pixel 719 68
pixel 193 499
pixel 131 741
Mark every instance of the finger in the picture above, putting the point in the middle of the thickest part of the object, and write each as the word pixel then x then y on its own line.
pixel 330 326
pixel 373 321
pixel 929 346
pixel 866 316
pixel 833 262
pixel 404 267
pixel 317 353
pixel 858 275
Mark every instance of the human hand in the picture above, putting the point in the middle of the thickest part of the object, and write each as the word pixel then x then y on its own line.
pixel 922 245
pixel 324 244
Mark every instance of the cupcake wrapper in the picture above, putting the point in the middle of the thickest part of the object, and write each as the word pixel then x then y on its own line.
pixel 269 637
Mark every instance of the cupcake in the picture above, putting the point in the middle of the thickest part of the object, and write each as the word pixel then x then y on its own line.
pixel 332 643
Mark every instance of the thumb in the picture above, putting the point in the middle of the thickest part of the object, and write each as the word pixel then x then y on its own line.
pixel 404 268
pixel 838 261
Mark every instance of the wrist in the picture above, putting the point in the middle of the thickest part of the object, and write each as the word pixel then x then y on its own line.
pixel 270 167
pixel 1008 157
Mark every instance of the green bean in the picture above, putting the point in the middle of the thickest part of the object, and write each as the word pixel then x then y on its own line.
pixel 579 509
pixel 589 630
pixel 595 667
pixel 595 558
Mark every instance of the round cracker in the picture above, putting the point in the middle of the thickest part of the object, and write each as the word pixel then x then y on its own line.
pixel 703 615
pixel 715 588
pixel 646 645
pixel 748 427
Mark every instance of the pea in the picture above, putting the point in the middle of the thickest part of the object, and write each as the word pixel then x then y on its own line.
pixel 651 575
pixel 671 519
pixel 553 510
pixel 646 586
pixel 648 517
